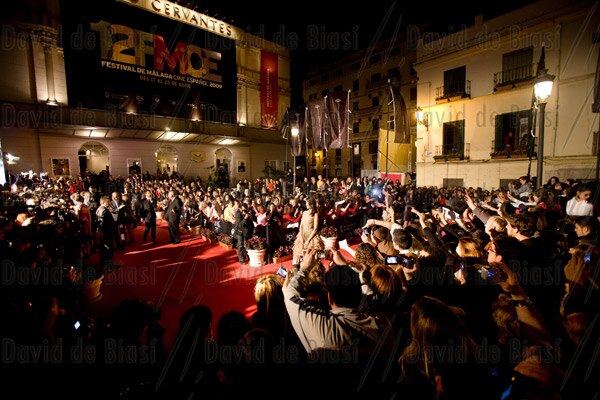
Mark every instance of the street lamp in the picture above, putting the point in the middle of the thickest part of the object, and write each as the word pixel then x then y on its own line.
pixel 295 131
pixel 542 89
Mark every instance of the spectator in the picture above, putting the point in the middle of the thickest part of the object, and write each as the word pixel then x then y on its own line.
pixel 578 205
pixel 428 363
pixel 524 190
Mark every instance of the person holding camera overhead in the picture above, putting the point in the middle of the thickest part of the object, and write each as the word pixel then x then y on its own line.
pixel 307 238
pixel 243 230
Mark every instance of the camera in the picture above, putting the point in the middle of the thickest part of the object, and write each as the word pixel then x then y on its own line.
pixel 407 262
pixel 76 325
pixel 391 260
pixel 492 274
pixel 322 254
pixel 367 230
pixel 282 272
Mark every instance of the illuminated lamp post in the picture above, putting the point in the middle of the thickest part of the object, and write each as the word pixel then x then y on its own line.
pixel 542 89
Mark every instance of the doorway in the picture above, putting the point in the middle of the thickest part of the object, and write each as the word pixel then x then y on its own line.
pixel 166 160
pixel 93 157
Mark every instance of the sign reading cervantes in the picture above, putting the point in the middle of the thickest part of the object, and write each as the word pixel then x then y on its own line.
pixel 185 15
pixel 154 58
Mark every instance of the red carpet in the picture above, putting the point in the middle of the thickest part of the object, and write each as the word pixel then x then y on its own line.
pixel 178 276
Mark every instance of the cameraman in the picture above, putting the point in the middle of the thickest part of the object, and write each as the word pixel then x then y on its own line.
pixel 243 230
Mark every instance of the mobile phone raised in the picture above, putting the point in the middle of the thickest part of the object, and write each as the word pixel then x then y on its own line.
pixel 282 272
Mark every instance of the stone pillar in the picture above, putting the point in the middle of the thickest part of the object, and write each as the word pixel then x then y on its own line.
pixel 47 38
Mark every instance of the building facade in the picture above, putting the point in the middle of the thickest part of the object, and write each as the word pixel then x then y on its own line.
pixel 148 85
pixel 382 104
pixel 475 88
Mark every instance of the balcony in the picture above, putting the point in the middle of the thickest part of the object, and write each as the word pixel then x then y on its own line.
pixel 452 92
pixel 511 78
pixel 445 153
pixel 521 151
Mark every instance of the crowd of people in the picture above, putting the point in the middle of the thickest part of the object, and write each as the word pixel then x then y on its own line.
pixel 452 292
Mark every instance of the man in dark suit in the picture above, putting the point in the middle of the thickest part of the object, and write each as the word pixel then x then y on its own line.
pixel 173 216
pixel 106 229
pixel 149 216
pixel 243 230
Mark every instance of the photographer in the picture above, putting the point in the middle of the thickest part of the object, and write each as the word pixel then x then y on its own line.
pixel 243 230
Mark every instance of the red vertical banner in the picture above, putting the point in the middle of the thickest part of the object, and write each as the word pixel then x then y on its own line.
pixel 269 89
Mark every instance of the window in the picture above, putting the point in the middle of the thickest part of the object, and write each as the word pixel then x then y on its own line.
pixel 375 77
pixel 325 92
pixel 393 72
pixel 375 124
pixel 454 137
pixel 375 59
pixel 338 152
pixel 454 82
pixel 413 71
pixel 391 121
pixel 375 101
pixel 356 127
pixel 519 123
pixel 516 66
pixel 373 147
pixel 355 106
pixel 312 96
pixel 355 85
pixel 270 165
pixel 355 67
pixel 338 88
pixel 413 93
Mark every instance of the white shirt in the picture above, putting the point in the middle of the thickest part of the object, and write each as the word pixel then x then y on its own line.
pixel 579 208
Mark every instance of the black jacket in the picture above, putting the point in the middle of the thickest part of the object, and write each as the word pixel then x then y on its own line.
pixel 148 211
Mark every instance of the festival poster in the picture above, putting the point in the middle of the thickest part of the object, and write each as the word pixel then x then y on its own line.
pixel 269 89
pixel 123 58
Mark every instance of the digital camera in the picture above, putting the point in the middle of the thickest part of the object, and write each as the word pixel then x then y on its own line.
pixel 392 260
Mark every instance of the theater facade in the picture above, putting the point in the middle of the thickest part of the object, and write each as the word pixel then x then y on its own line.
pixel 142 85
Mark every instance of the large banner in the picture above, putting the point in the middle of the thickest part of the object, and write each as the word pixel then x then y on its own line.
pixel 338 115
pixel 315 123
pixel 269 89
pixel 125 58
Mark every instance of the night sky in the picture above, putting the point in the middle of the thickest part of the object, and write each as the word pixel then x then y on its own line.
pixel 317 34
